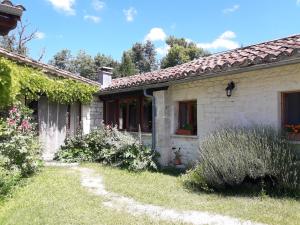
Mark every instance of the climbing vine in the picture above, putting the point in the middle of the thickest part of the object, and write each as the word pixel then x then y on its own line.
pixel 21 81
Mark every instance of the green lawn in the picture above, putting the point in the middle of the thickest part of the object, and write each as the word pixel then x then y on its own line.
pixel 55 197
pixel 166 190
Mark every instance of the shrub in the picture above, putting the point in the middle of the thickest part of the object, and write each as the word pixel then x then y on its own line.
pixel 194 179
pixel 259 156
pixel 108 146
pixel 19 148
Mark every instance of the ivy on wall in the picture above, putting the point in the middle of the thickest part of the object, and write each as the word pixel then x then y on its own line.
pixel 19 81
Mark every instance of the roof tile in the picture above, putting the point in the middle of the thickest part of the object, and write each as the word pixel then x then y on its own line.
pixel 262 53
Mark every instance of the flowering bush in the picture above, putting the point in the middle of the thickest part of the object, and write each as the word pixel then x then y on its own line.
pixel 19 146
pixel 259 157
pixel 108 146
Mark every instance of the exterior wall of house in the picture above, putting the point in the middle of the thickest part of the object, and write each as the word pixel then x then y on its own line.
pixel 92 115
pixel 255 100
pixel 53 126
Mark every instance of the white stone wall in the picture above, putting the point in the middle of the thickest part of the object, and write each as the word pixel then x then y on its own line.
pixel 255 100
pixel 92 115
pixel 96 113
pixel 146 138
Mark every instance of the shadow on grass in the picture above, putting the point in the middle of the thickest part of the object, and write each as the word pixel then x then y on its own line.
pixel 246 191
pixel 172 171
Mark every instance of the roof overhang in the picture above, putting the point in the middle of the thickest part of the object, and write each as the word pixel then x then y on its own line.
pixel 195 77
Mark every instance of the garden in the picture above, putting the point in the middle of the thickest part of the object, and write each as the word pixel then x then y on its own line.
pixel 251 174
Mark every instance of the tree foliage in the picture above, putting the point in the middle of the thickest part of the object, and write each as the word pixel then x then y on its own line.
pixel 82 64
pixel 19 81
pixel 144 56
pixel 127 67
pixel 63 60
pixel 181 51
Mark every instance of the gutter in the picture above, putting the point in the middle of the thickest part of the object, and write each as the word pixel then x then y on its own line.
pixel 194 77
pixel 153 118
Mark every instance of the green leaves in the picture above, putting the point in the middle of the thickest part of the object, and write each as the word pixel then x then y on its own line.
pixel 111 147
pixel 17 81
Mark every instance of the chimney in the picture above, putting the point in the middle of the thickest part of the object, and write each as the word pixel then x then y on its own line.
pixel 104 76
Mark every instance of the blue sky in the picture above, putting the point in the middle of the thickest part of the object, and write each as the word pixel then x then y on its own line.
pixel 111 26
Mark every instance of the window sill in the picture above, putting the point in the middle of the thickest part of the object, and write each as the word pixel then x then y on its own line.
pixel 184 136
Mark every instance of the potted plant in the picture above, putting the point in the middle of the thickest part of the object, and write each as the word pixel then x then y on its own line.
pixel 185 130
pixel 177 158
pixel 293 132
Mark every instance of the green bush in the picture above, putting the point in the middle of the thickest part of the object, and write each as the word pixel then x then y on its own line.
pixel 19 148
pixel 108 146
pixel 8 179
pixel 259 156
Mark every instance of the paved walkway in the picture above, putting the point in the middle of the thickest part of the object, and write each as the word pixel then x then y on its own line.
pixel 94 183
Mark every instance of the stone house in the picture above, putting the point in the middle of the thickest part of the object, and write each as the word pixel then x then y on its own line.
pixel 177 107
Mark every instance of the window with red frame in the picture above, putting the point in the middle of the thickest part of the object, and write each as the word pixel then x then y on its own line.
pixel 291 113
pixel 129 113
pixel 187 118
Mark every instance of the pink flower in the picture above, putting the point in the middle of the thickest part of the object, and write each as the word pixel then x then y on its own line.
pixel 11 122
pixel 25 125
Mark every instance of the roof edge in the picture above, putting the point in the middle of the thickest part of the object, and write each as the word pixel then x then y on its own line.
pixel 196 77
pixel 46 68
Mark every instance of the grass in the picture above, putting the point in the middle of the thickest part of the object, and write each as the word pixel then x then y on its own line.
pixel 55 196
pixel 166 190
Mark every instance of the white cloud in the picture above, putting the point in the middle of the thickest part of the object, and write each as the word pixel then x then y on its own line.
pixel 163 50
pixel 40 35
pixel 156 34
pixel 233 9
pixel 95 19
pixel 224 41
pixel 130 14
pixel 64 5
pixel 98 5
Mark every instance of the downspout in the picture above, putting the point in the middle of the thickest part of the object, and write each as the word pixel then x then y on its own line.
pixel 153 118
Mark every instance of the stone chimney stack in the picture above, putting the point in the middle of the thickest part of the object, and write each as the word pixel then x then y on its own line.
pixel 105 76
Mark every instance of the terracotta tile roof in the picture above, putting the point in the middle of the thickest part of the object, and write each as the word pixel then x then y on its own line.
pixel 263 53
pixel 48 69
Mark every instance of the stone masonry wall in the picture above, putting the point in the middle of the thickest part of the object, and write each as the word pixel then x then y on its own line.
pixel 96 113
pixel 92 115
pixel 255 100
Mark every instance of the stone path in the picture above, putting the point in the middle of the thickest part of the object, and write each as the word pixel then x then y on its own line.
pixel 94 183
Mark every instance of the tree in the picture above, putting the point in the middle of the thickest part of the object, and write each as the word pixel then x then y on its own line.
pixel 18 40
pixel 127 67
pixel 101 60
pixel 181 51
pixel 63 60
pixel 144 56
pixel 84 65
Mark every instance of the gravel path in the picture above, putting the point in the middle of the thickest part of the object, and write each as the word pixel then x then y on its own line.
pixel 94 183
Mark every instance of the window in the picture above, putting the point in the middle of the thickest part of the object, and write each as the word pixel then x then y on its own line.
pixel 187 118
pixel 291 113
pixel 128 113
pixel 111 113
